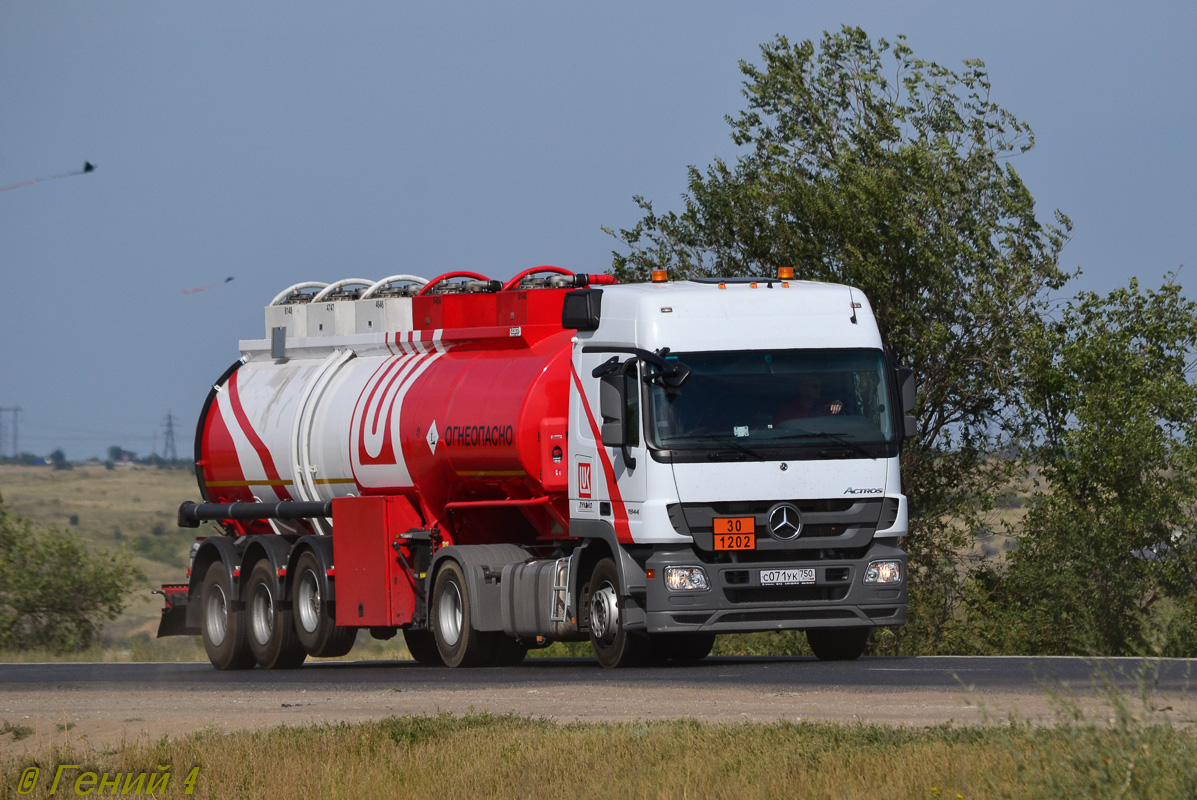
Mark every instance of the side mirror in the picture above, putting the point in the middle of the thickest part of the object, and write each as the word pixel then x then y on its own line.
pixel 908 389
pixel 612 394
pixel 909 392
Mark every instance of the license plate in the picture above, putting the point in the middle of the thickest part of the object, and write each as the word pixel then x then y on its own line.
pixel 735 524
pixel 786 577
pixel 735 541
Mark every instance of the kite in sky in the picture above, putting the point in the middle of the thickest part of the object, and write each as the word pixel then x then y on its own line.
pixel 205 288
pixel 87 167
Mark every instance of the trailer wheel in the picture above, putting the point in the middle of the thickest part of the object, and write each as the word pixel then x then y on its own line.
pixel 315 624
pixel 614 646
pixel 837 644
pixel 451 621
pixel 422 646
pixel 272 637
pixel 223 626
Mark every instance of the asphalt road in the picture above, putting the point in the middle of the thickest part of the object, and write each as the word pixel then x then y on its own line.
pixel 106 705
pixel 982 674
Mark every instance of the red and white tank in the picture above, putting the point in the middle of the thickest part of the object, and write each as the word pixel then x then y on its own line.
pixel 452 392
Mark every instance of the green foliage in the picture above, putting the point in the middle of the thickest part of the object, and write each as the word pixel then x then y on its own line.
pixel 1112 421
pixel 59 461
pixel 18 732
pixel 54 591
pixel 862 164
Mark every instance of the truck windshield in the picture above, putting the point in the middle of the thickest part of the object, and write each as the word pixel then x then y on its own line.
pixel 754 399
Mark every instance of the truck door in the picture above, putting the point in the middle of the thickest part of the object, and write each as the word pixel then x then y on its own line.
pixel 607 482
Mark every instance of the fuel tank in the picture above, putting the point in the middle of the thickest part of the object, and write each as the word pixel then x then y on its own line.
pixel 456 399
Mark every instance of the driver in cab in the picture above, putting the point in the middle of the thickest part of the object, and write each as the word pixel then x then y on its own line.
pixel 809 402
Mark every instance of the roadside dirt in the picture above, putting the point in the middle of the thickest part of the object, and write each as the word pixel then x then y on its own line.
pixel 106 718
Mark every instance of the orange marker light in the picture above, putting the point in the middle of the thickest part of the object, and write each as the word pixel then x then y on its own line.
pixel 650 573
pixel 660 276
pixel 785 273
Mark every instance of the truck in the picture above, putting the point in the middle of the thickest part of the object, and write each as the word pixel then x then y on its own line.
pixel 492 466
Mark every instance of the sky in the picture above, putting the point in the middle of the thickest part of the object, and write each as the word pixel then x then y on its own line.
pixel 285 142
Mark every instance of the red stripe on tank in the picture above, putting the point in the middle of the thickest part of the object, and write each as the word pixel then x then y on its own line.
pixel 255 440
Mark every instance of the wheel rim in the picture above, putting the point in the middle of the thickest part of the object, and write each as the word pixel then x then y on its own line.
pixel 449 614
pixel 604 614
pixel 263 614
pixel 308 602
pixel 216 615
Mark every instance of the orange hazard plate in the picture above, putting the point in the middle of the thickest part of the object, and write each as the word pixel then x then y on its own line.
pixel 735 533
pixel 735 541
pixel 735 524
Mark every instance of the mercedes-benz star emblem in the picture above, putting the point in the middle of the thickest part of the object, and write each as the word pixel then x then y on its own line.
pixel 785 521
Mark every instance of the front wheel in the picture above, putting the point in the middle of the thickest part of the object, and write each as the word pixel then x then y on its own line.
pixel 452 621
pixel 837 644
pixel 614 645
pixel 223 626
pixel 684 648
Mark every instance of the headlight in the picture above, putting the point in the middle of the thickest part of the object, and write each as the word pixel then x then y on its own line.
pixel 884 572
pixel 686 579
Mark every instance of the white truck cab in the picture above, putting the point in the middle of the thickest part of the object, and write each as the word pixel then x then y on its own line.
pixel 735 443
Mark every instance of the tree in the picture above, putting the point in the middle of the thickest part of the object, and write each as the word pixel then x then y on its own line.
pixel 862 164
pixel 58 460
pixel 55 592
pixel 1112 425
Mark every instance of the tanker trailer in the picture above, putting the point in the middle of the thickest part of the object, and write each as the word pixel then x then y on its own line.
pixel 490 467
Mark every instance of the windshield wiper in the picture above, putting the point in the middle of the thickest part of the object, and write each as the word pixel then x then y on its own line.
pixel 729 440
pixel 804 434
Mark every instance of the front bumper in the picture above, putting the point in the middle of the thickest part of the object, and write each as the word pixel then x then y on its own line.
pixel 737 602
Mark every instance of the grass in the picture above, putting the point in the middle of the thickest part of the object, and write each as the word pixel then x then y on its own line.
pixel 517 757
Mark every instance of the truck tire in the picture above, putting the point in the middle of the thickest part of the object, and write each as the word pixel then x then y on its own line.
pixel 422 646
pixel 315 624
pixel 682 648
pixel 221 625
pixel 614 646
pixel 837 644
pixel 507 652
pixel 459 644
pixel 272 636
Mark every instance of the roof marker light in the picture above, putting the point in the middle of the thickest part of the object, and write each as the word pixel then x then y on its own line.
pixel 660 276
pixel 753 284
pixel 723 286
pixel 785 273
pixel 667 309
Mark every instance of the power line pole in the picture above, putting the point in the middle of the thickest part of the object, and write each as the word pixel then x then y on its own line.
pixel 16 444
pixel 168 444
pixel 3 432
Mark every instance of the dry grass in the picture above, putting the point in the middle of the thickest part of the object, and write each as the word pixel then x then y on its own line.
pixel 485 755
pixel 133 508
